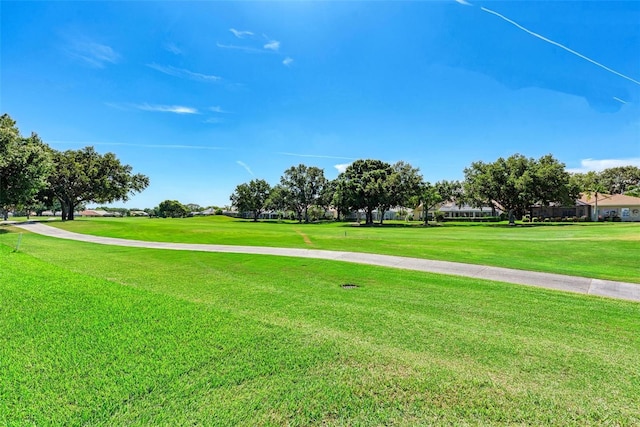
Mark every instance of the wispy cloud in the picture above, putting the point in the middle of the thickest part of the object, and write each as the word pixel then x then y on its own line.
pixel 317 156
pixel 287 61
pixel 620 100
pixel 240 34
pixel 183 73
pixel 464 2
pixel 587 165
pixel 273 45
pixel 561 46
pixel 244 165
pixel 171 47
pixel 342 167
pixel 242 48
pixel 127 144
pixel 177 109
pixel 214 120
pixel 94 54
pixel 218 109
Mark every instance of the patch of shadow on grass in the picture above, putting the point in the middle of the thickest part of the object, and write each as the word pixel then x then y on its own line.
pixel 349 286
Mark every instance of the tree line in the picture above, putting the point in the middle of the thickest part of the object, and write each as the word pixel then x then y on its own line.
pixel 33 175
pixel 513 184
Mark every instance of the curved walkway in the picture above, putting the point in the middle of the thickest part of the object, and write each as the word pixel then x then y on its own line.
pixel 583 285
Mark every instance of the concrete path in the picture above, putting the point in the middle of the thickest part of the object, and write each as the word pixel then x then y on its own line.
pixel 584 285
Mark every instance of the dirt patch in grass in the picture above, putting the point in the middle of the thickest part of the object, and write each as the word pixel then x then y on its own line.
pixel 306 238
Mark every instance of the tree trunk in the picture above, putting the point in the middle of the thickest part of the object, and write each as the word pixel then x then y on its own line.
pixel 63 209
pixel 368 216
pixel 381 211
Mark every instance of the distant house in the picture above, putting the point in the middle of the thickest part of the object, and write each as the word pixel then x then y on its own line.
pixel 98 212
pixel 555 211
pixel 610 206
pixel 453 210
pixel 618 207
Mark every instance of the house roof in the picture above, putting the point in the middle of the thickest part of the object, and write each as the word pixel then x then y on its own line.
pixel 92 212
pixel 453 207
pixel 610 200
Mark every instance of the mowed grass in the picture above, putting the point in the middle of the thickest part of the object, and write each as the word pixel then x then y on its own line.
pixel 603 250
pixel 97 335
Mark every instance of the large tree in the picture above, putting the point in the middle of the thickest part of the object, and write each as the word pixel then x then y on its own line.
pixel 401 186
pixel 303 187
pixel 518 182
pixel 87 176
pixel 363 185
pixel 172 209
pixel 24 166
pixel 251 197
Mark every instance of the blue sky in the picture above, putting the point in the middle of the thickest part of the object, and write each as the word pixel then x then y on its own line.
pixel 203 96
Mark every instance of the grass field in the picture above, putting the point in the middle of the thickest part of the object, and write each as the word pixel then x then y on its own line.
pixel 95 335
pixel 603 250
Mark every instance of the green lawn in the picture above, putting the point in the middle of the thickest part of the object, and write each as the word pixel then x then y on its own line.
pixel 603 250
pixel 96 335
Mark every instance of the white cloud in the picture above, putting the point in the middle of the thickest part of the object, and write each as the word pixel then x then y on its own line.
pixel 214 120
pixel 94 54
pixel 559 45
pixel 273 45
pixel 244 165
pixel 620 100
pixel 240 34
pixel 587 165
pixel 287 61
pixel 177 109
pixel 464 2
pixel 342 167
pixel 181 72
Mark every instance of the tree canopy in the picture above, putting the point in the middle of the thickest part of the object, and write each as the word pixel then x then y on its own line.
pixel 172 209
pixel 251 197
pixel 616 180
pixel 87 176
pixel 25 164
pixel 400 187
pixel 363 185
pixel 302 187
pixel 517 183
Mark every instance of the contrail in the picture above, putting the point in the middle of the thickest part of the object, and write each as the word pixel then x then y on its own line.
pixel 560 45
pixel 125 144
pixel 619 100
pixel 245 166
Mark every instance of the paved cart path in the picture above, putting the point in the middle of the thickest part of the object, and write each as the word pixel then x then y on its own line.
pixel 584 285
